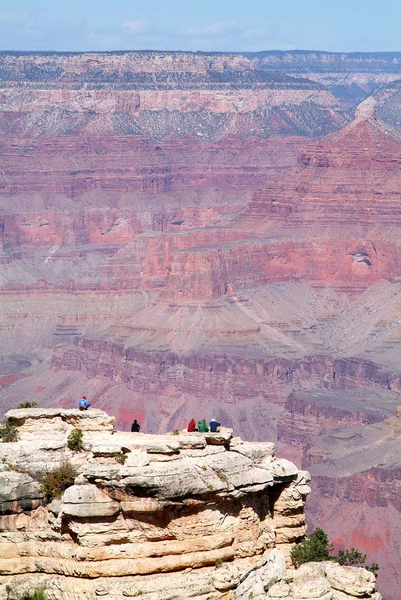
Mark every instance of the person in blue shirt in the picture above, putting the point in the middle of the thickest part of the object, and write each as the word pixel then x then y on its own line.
pixel 214 425
pixel 83 404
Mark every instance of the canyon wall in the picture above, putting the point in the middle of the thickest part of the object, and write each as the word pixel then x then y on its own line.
pixel 176 243
pixel 351 77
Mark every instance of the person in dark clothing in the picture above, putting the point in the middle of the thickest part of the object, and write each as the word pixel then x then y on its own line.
pixel 135 427
pixel 191 425
pixel 214 425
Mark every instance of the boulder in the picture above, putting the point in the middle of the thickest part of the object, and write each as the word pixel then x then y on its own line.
pixel 354 581
pixel 282 469
pixel 256 451
pixel 88 501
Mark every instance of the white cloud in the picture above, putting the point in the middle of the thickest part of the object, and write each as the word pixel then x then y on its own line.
pixel 134 26
pixel 215 29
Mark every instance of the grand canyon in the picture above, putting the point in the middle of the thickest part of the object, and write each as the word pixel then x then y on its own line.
pixel 215 235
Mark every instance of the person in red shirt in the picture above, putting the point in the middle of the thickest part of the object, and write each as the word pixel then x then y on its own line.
pixel 192 425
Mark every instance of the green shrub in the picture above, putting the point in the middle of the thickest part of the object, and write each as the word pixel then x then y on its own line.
pixel 38 594
pixel 28 405
pixel 8 433
pixel 120 457
pixel 176 432
pixel 75 440
pixel 350 557
pixel 314 548
pixel 55 482
pixel 373 568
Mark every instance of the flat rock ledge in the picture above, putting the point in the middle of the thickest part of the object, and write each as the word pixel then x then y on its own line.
pixel 175 516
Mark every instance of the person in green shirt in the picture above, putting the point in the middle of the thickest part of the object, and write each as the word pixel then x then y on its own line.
pixel 202 426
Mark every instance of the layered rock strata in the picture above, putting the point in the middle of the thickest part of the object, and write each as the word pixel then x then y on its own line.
pixel 349 76
pixel 159 95
pixel 173 516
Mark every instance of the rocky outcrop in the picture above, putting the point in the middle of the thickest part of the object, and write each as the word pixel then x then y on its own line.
pixel 325 580
pixel 180 515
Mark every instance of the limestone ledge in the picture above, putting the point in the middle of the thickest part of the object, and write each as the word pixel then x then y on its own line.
pixel 167 516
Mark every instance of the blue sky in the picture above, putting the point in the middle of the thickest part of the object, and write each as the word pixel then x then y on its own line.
pixel 221 25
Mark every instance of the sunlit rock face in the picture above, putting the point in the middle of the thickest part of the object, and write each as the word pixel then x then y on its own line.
pixel 187 515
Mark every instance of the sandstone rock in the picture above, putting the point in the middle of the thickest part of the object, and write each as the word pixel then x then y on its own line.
pixel 210 518
pixel 226 578
pixel 219 438
pixel 87 501
pixel 34 422
pixel 283 469
pixel 262 577
pixel 17 488
pixel 356 582
pixel 258 452
pixel 317 587
pixel 279 590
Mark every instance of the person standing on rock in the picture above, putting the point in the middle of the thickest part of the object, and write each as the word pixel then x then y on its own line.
pixel 214 425
pixel 83 404
pixel 202 426
pixel 135 427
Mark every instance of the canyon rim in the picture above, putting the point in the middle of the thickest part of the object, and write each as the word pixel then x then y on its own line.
pixel 204 234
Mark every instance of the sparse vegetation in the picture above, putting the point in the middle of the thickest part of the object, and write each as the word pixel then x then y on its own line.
pixel 353 557
pixel 38 594
pixel 219 562
pixel 75 440
pixel 223 477
pixel 316 548
pixel 8 432
pixel 27 405
pixel 55 482
pixel 176 432
pixel 120 457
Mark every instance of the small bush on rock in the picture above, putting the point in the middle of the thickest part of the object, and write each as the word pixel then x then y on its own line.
pixel 75 440
pixel 39 594
pixel 28 405
pixel 8 433
pixel 55 482
pixel 314 548
pixel 120 457
pixel 350 557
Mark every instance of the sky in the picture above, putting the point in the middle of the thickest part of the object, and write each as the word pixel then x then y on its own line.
pixel 208 25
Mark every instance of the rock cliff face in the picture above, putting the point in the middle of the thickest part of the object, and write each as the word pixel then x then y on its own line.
pixel 350 76
pixel 173 516
pixel 158 95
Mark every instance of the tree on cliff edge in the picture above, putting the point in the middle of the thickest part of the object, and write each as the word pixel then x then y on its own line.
pixel 314 548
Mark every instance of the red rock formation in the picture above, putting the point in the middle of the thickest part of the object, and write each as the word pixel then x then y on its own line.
pixel 183 277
